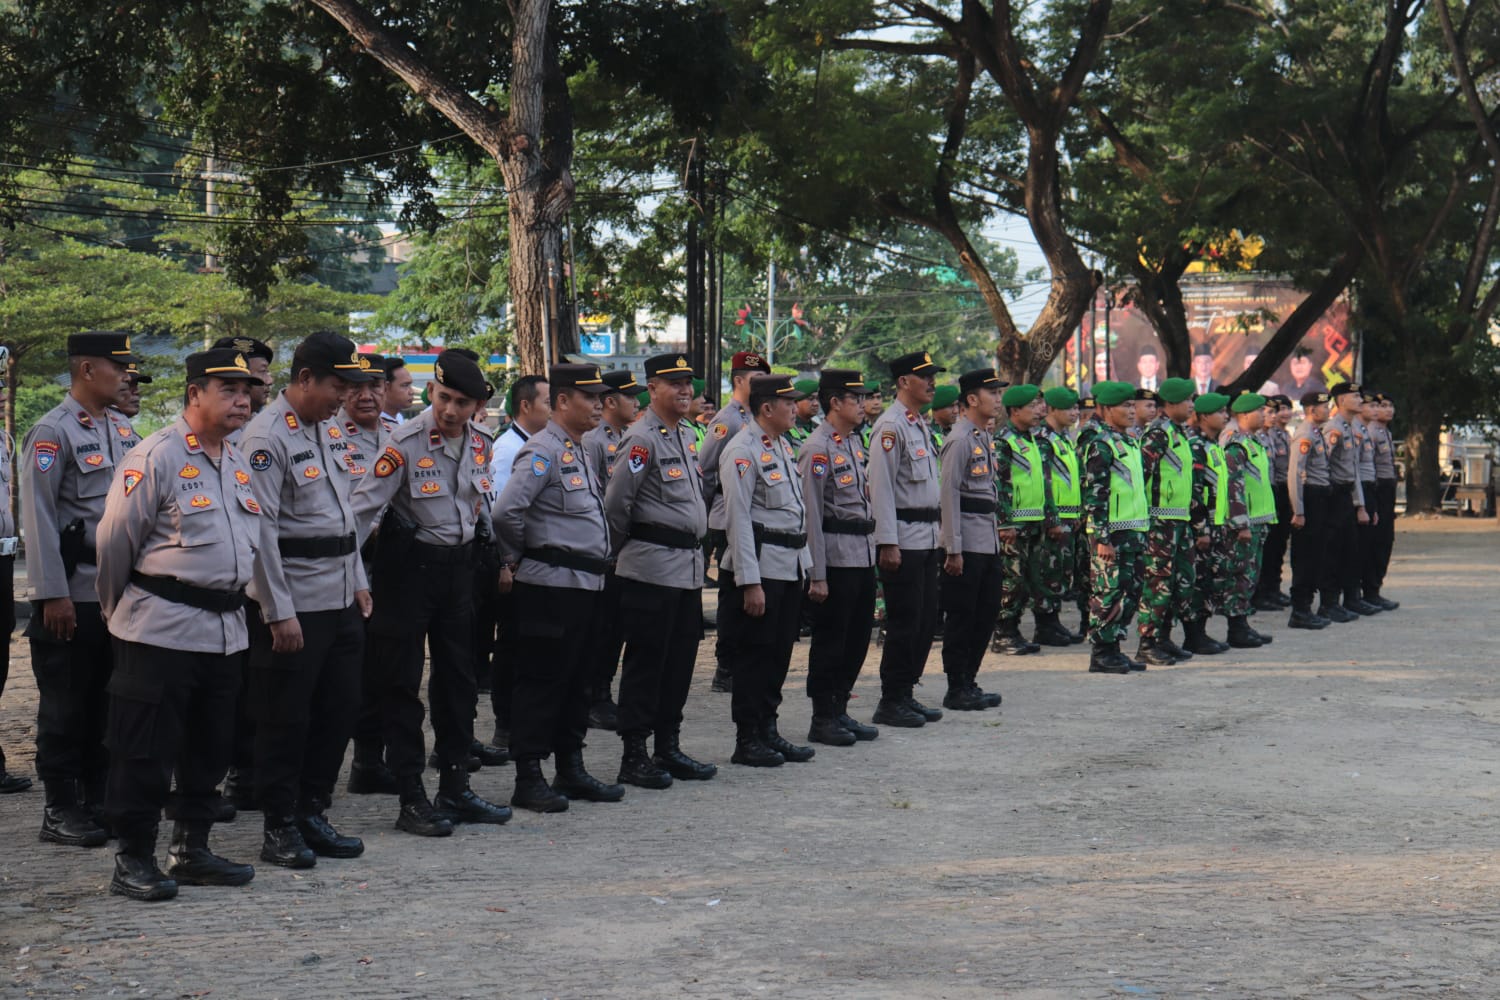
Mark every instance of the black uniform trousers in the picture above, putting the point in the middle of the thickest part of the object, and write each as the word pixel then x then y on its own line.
pixel 1340 572
pixel 663 627
pixel 8 623
pixel 427 596
pixel 502 670
pixel 1277 535
pixel 550 706
pixel 840 631
pixel 1309 546
pixel 758 651
pixel 369 729
pixel 911 607
pixel 970 603
pixel 242 753
pixel 486 624
pixel 608 638
pixel 1367 542
pixel 1385 535
pixel 169 711
pixel 304 705
pixel 72 702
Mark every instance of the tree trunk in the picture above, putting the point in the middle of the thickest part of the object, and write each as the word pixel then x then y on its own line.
pixel 1159 296
pixel 1424 420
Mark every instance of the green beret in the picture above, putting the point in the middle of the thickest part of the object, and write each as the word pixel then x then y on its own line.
pixel 643 397
pixel 698 386
pixel 1210 402
pixel 944 396
pixel 1020 395
pixel 1060 397
pixel 1175 390
pixel 1113 393
pixel 1247 402
pixel 872 387
pixel 806 386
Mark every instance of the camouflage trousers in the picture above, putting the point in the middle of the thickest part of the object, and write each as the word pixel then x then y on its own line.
pixel 1061 570
pixel 1021 574
pixel 1200 602
pixel 1170 577
pixel 1236 565
pixel 1116 594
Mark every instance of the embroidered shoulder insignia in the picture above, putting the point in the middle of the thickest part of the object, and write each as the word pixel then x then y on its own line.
pixel 132 478
pixel 638 458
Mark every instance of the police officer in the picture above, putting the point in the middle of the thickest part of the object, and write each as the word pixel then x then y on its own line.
pixel 69 457
pixel 765 563
pixel 1027 515
pixel 807 412
pixel 1278 445
pixel 602 445
pixel 840 544
pixel 904 500
pixel 1347 507
pixel 726 424
pixel 970 589
pixel 1063 571
pixel 1385 499
pixel 1308 494
pixel 129 400
pixel 1369 534
pixel 176 549
pixel 657 520
pixel 307 651
pixel 1167 461
pixel 554 551
pixel 9 783
pixel 1118 517
pixel 1239 551
pixel 430 482
pixel 258 356
pixel 943 411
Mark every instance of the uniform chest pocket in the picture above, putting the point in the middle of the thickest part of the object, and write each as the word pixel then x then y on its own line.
pixel 577 498
pixel 196 520
pixel 775 489
pixel 674 475
pixel 918 462
pixel 844 480
pixel 95 472
pixel 429 487
pixel 307 472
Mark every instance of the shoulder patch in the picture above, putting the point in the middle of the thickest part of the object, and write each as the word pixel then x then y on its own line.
pixel 46 454
pixel 540 465
pixel 131 478
pixel 1304 446
pixel 720 430
pixel 260 460
pixel 638 458
pixel 820 466
pixel 887 440
pixel 742 466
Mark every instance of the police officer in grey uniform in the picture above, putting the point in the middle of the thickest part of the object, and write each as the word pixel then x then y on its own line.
pixel 904 491
pixel 258 355
pixel 657 520
pixel 306 651
pixel 841 548
pixel 1310 495
pixel 554 553
pixel 1347 508
pixel 1383 410
pixel 176 549
pixel 765 563
pixel 1363 422
pixel 68 460
pixel 428 489
pixel 726 424
pixel 602 445
pixel 9 783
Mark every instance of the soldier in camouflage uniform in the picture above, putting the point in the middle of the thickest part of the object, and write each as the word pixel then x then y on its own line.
pixel 1115 501
pixel 1237 552
pixel 1167 460
pixel 1028 513
pixel 1208 516
pixel 1062 571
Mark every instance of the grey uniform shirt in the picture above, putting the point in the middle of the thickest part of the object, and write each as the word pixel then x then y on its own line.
pixel 1278 444
pixel 1343 455
pixel 69 460
pixel 726 424
pixel 303 475
pixel 1364 444
pixel 903 474
pixel 656 481
pixel 552 500
pixel 761 487
pixel 173 512
pixel 1308 464
pixel 1385 451
pixel 968 470
pixel 425 485
pixel 602 446
pixel 361 445
pixel 832 468
pixel 7 471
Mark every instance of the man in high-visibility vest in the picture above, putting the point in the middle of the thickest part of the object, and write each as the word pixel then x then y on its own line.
pixel 1237 555
pixel 1028 517
pixel 807 410
pixel 1061 569
pixel 1117 519
pixel 1208 515
pixel 1167 460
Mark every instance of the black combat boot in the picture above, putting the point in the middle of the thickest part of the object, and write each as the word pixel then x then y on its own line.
pixel 470 762
pixel 1266 602
pixel 862 732
pixel 723 681
pixel 790 751
pixel 1360 607
pixel 1241 635
pixel 1336 612
pixel 636 766
pixel 190 862
pixel 532 791
pixel 1303 618
pixel 1106 658
pixel 1009 641
pixel 368 774
pixel 991 699
pixel 1383 603
pixel 604 713
pixel 418 815
pixel 574 780
pixel 136 875
pixel 1153 653
pixel 750 749
pixel 456 800
pixel 669 757
pixel 927 714
pixel 893 710
pixel 65 821
pixel 1050 630
pixel 239 789
pixel 320 835
pixel 1198 640
pixel 1165 642
pixel 826 727
pixel 963 695
pixel 282 844
pixel 488 756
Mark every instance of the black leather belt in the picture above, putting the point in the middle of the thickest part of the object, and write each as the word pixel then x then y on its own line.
pixel 317 548
pixel 976 505
pixel 442 555
pixel 1342 487
pixel 780 539
pixel 852 526
pixel 660 534
pixel 566 559
pixel 178 592
pixel 926 515
pixel 88 557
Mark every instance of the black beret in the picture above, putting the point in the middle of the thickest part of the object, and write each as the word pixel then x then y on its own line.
pixel 461 373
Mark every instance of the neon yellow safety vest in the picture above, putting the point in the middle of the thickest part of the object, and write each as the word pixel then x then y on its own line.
pixel 1066 489
pixel 1127 485
pixel 1260 499
pixel 1174 478
pixel 1218 465
pixel 1027 485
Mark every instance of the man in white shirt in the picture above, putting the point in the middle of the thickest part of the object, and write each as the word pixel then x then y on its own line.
pixel 397 392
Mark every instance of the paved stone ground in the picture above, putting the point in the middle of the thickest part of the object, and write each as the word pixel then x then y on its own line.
pixel 1313 820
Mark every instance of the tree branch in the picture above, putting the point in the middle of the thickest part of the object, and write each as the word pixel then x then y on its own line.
pixel 1479 254
pixel 944 49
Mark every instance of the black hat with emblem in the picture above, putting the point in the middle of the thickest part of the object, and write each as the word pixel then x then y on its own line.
pixel 841 382
pixel 135 375
pixel 1311 399
pixel 915 363
pixel 329 353
pixel 980 378
pixel 622 380
pixel 668 366
pixel 1344 389
pixel 584 378
pixel 458 372
pixel 111 344
pixel 779 386
pixel 248 346
pixel 219 362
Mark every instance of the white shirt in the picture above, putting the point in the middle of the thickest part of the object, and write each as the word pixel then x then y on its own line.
pixel 507 446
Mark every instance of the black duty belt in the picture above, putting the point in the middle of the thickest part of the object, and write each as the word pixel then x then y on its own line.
pixel 976 505
pixel 780 539
pixel 88 557
pixel 317 548
pixel 178 592
pixel 567 560
pixel 660 534
pixel 850 526
pixel 1342 487
pixel 441 555
pixel 926 515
